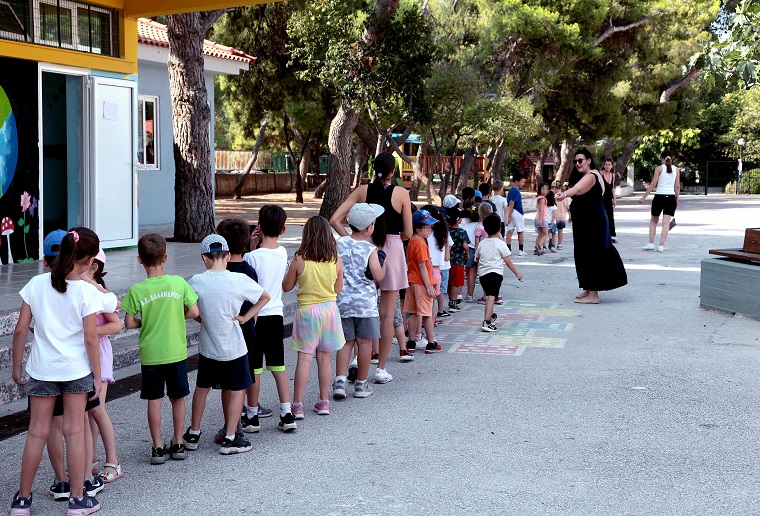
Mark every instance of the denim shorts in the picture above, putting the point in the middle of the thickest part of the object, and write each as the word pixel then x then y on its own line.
pixel 471 264
pixel 445 281
pixel 50 388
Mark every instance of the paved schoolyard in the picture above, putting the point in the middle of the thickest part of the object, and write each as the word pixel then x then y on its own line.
pixel 644 404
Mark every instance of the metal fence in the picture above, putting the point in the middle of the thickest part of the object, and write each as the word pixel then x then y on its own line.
pixel 721 177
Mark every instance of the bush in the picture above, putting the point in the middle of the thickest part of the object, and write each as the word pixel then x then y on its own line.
pixel 750 183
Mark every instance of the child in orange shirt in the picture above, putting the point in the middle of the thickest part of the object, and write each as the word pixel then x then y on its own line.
pixel 421 291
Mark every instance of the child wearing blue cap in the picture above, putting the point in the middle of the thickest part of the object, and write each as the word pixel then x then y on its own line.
pixel 421 291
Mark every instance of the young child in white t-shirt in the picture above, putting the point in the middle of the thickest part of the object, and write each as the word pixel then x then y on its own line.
pixel 64 359
pixel 492 254
pixel 223 361
pixel 270 260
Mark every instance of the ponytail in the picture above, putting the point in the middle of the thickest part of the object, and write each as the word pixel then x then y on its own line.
pixel 78 244
pixel 669 167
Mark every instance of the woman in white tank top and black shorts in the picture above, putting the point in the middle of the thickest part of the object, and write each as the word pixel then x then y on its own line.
pixel 666 184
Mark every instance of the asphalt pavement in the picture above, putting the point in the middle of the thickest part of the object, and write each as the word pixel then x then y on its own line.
pixel 643 404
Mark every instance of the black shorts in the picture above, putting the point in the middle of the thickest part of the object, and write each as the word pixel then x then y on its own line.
pixel 561 224
pixel 228 375
pixel 663 203
pixel 268 341
pixel 503 229
pixel 491 283
pixel 173 375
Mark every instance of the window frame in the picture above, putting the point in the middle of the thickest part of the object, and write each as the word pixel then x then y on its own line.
pixel 141 99
pixel 74 14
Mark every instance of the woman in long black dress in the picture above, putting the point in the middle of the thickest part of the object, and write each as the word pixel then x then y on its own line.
pixel 597 262
pixel 608 175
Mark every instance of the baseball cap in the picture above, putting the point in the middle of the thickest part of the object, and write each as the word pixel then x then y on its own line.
pixel 450 201
pixel 53 239
pixel 213 244
pixel 362 215
pixel 101 257
pixel 478 194
pixel 423 217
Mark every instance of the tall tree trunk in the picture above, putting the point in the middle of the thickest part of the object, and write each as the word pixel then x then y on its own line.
pixel 303 140
pixel 303 170
pixel 497 171
pixel 360 159
pixel 609 144
pixel 417 173
pixel 465 169
pixel 191 115
pixel 252 161
pixel 339 160
pixel 566 160
pixel 621 167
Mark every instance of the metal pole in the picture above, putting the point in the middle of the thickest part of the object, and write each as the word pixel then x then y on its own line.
pixel 707 175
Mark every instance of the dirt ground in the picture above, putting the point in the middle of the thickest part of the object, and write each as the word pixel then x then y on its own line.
pixel 247 208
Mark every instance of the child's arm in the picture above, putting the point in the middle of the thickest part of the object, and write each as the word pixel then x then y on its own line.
pixel 339 280
pixel 112 326
pixel 425 279
pixel 254 310
pixel 192 312
pixel 511 266
pixel 19 341
pixel 447 253
pixel 377 270
pixel 93 352
pixel 291 278
pixel 131 322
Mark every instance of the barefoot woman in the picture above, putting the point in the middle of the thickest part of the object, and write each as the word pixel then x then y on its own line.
pixel 391 228
pixel 597 262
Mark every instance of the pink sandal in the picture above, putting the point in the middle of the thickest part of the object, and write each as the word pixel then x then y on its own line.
pixel 110 477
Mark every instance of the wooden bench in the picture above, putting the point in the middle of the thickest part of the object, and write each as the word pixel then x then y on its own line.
pixel 730 281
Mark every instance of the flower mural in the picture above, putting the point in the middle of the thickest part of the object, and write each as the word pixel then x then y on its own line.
pixel 28 203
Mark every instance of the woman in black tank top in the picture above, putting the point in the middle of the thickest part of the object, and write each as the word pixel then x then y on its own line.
pixel 391 228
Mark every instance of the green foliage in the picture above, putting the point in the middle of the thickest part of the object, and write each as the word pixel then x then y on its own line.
pixel 733 55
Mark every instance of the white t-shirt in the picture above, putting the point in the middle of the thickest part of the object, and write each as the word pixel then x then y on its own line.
pixel 271 265
pixel 501 203
pixel 58 352
pixel 470 227
pixel 436 255
pixel 490 256
pixel 220 295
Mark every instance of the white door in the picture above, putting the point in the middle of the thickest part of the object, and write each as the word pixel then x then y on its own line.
pixel 112 178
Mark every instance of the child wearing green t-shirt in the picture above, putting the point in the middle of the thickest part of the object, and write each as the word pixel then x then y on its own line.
pixel 163 302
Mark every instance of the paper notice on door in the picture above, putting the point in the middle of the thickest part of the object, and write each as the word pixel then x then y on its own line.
pixel 110 110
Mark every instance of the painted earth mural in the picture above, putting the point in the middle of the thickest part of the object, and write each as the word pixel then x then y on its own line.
pixel 8 143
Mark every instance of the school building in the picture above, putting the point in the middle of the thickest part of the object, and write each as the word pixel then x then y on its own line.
pixel 85 117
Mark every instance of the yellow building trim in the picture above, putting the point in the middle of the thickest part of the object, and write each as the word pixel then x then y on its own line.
pixel 148 8
pixel 112 4
pixel 43 54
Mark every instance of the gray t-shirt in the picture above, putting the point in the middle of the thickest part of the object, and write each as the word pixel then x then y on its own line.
pixel 359 295
pixel 220 295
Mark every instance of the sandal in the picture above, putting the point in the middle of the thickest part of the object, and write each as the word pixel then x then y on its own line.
pixel 110 477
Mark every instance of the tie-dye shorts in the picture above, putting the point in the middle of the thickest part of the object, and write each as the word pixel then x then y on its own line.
pixel 317 327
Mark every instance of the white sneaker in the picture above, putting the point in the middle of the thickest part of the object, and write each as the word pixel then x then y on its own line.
pixel 660 249
pixel 522 253
pixel 648 247
pixel 422 342
pixel 382 376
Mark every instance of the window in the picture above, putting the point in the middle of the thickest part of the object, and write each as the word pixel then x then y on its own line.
pixel 14 19
pixel 147 137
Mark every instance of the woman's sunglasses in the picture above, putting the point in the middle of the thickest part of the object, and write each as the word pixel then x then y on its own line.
pixel 579 161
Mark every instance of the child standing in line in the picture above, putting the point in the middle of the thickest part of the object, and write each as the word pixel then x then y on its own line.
pixel 500 202
pixel 551 204
pixel 492 254
pixel 459 255
pixel 421 292
pixel 270 260
pixel 469 224
pixel 560 215
pixel 542 220
pixel 163 302
pixel 484 210
pixel 515 214
pixel 440 254
pixel 359 315
pixel 223 361
pixel 64 359
pixel 108 323
pixel 318 270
